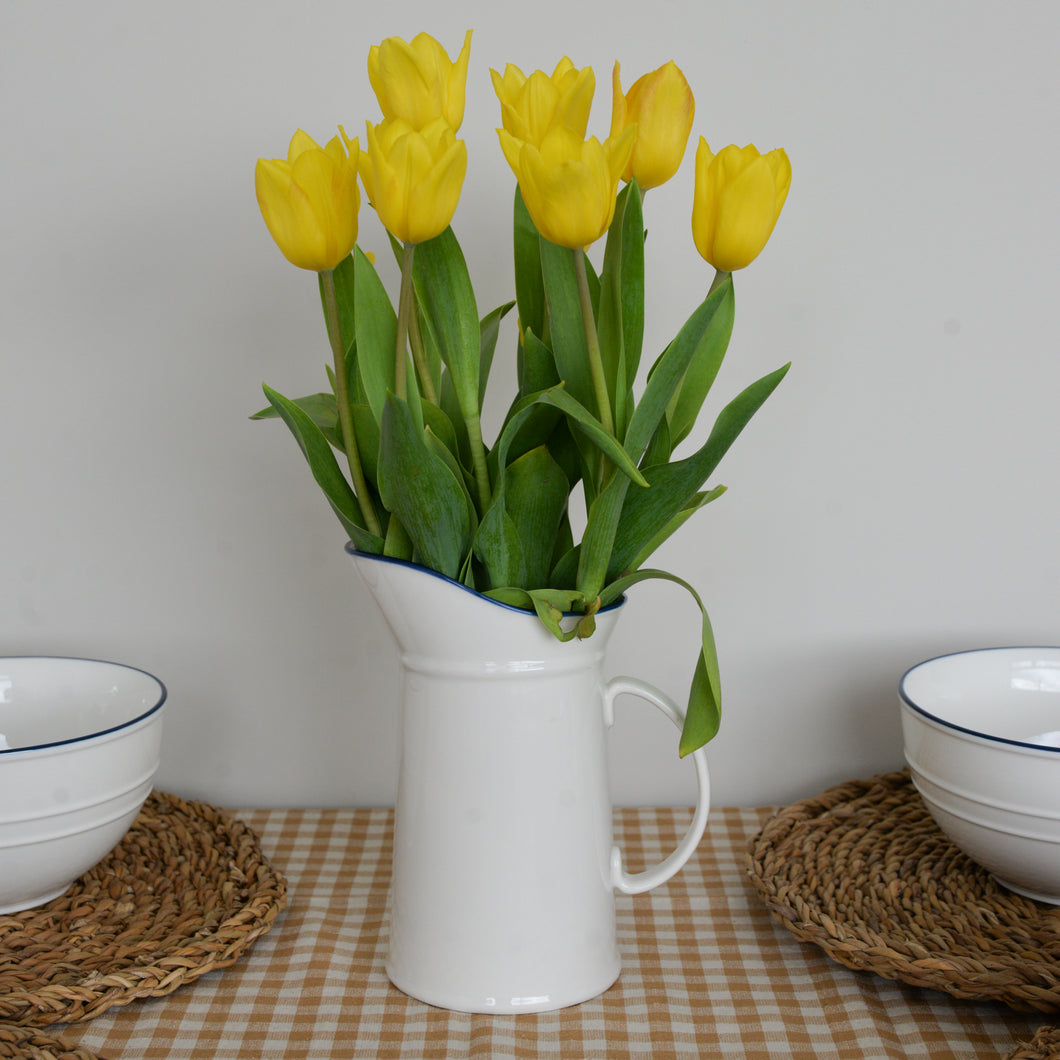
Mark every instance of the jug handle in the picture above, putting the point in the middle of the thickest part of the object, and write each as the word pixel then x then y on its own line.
pixel 638 882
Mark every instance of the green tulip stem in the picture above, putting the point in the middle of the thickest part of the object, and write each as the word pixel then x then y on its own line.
pixel 719 278
pixel 592 342
pixel 419 358
pixel 404 310
pixel 478 457
pixel 342 400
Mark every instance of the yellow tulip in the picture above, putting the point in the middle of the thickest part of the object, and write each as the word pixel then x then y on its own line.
pixel 738 197
pixel 417 81
pixel 413 177
pixel 531 106
pixel 569 184
pixel 310 200
pixel 661 104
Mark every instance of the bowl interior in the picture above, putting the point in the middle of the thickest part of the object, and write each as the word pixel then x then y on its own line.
pixel 1006 694
pixel 46 701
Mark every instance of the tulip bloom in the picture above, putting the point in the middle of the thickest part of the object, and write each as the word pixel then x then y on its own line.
pixel 531 106
pixel 413 178
pixel 417 81
pixel 661 105
pixel 738 197
pixel 310 201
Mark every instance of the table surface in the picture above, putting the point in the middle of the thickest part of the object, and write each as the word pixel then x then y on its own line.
pixel 706 973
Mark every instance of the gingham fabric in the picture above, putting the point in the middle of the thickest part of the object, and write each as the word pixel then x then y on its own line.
pixel 706 973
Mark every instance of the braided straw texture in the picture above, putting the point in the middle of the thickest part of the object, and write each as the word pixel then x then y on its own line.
pixel 1045 1045
pixel 21 1043
pixel 185 892
pixel 865 873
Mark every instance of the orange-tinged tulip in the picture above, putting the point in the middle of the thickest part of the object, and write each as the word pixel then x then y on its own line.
pixel 662 106
pixel 417 81
pixel 310 200
pixel 569 184
pixel 531 106
pixel 413 177
pixel 738 197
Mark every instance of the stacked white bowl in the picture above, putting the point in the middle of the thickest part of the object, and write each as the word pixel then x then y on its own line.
pixel 79 749
pixel 982 739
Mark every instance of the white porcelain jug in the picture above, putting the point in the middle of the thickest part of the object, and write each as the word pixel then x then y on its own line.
pixel 502 898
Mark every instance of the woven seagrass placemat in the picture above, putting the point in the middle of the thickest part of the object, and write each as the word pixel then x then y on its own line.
pixel 865 873
pixel 1045 1045
pixel 185 892
pixel 24 1043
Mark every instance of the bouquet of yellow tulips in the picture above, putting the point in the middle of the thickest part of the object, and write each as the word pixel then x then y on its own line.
pixel 403 410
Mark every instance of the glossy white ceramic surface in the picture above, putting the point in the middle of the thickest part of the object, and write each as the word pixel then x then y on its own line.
pixel 978 729
pixel 504 867
pixel 82 748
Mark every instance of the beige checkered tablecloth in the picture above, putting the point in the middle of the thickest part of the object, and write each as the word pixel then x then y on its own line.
pixel 706 974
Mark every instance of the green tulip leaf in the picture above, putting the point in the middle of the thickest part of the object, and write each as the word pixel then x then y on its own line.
pixel 703 369
pixel 588 425
pixel 376 332
pixel 489 330
pixel 529 287
pixel 700 500
pixel 420 489
pixel 320 408
pixel 498 547
pixel 607 511
pixel 398 545
pixel 566 325
pixel 703 714
pixel 647 511
pixel 621 305
pixel 445 294
pixel 536 499
pixel 325 468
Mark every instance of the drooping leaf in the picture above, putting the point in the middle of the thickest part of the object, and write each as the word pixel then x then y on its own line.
pixel 703 714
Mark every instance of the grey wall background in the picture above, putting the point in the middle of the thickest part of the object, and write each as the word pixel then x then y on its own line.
pixel 894 500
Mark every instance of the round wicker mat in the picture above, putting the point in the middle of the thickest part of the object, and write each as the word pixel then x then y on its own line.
pixel 21 1043
pixel 185 892
pixel 1045 1045
pixel 865 873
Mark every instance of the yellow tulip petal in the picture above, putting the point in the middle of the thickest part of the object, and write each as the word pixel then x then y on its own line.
pixel 511 148
pixel 434 201
pixel 746 218
pixel 456 85
pixel 618 102
pixel 300 143
pixel 577 101
pixel 780 166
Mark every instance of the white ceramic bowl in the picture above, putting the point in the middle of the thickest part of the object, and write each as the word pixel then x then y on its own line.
pixel 982 739
pixel 79 748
